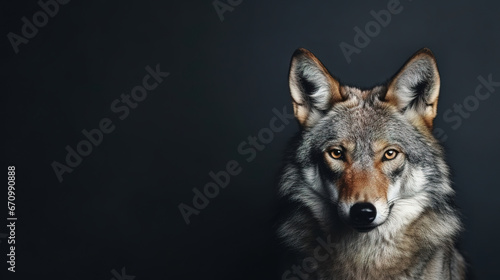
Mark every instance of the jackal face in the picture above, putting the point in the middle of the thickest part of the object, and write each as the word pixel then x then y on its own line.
pixel 365 149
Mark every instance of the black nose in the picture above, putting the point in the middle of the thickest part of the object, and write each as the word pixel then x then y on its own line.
pixel 362 214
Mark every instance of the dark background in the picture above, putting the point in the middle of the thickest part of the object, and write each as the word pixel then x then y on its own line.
pixel 119 207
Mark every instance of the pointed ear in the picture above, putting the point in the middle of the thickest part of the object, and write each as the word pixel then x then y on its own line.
pixel 313 89
pixel 415 88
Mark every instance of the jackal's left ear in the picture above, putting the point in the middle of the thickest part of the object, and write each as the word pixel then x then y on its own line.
pixel 415 88
pixel 313 89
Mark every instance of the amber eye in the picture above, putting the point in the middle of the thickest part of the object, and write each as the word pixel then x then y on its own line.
pixel 337 154
pixel 390 154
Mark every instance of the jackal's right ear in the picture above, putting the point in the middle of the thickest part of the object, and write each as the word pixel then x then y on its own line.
pixel 415 88
pixel 313 89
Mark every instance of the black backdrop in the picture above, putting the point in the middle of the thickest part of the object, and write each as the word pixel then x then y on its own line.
pixel 118 208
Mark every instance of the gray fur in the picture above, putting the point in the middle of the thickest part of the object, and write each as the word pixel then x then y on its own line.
pixel 419 224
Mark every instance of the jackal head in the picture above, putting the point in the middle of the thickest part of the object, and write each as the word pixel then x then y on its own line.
pixel 365 149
